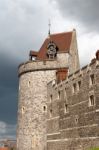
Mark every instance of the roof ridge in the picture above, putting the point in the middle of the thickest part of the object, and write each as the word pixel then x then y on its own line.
pixel 61 33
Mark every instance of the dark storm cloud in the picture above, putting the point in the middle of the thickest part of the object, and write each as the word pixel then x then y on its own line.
pixel 18 35
pixel 8 95
pixel 8 89
pixel 85 11
pixel 20 31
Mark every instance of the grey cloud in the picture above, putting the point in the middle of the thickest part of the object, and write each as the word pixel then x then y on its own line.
pixel 18 20
pixel 22 28
pixel 8 89
pixel 87 12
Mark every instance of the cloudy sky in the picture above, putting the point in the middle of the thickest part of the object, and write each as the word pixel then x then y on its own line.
pixel 24 26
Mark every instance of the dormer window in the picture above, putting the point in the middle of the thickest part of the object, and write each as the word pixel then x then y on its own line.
pixel 52 50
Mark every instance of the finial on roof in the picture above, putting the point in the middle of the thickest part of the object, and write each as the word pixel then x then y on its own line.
pixel 74 29
pixel 97 55
pixel 49 32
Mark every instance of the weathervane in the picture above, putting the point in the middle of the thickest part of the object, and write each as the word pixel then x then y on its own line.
pixel 49 28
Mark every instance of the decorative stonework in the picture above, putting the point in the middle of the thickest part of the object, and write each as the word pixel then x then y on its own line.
pixel 52 50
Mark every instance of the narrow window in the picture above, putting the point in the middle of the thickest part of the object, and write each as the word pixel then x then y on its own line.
pixel 65 108
pixel 79 85
pixel 23 110
pixel 29 83
pixel 65 93
pixel 92 79
pixel 76 119
pixel 51 98
pixel 44 108
pixel 91 100
pixel 50 112
pixel 58 94
pixel 74 87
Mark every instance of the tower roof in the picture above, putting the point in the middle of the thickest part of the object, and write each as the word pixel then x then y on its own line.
pixel 62 41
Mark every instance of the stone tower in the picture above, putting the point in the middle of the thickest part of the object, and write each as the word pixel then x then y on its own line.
pixel 57 57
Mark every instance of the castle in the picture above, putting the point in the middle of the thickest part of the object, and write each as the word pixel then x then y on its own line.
pixel 58 102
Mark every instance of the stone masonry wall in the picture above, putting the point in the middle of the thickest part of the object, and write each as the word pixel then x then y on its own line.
pixel 32 110
pixel 60 62
pixel 73 121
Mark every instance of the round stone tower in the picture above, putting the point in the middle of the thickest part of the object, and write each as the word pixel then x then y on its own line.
pixel 32 106
pixel 53 56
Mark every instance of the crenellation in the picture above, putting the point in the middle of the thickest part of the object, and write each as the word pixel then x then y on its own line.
pixel 78 75
pixel 40 65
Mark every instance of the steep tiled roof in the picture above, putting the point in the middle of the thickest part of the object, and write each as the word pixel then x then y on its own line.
pixel 62 41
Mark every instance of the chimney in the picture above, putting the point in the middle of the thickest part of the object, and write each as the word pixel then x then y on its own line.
pixel 61 75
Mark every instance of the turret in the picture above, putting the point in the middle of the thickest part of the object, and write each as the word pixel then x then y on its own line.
pixel 57 56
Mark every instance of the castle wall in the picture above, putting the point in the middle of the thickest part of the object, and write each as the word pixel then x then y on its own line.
pixel 33 121
pixel 32 109
pixel 74 122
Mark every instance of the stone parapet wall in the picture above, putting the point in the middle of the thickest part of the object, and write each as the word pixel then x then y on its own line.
pixel 60 62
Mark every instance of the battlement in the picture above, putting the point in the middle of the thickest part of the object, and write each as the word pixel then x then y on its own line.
pixel 88 69
pixel 51 64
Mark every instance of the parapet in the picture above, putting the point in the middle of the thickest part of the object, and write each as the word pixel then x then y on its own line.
pixel 37 65
pixel 79 73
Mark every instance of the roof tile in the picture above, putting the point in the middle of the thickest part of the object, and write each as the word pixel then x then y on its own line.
pixel 62 41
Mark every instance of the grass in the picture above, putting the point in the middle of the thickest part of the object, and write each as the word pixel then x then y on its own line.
pixel 94 149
